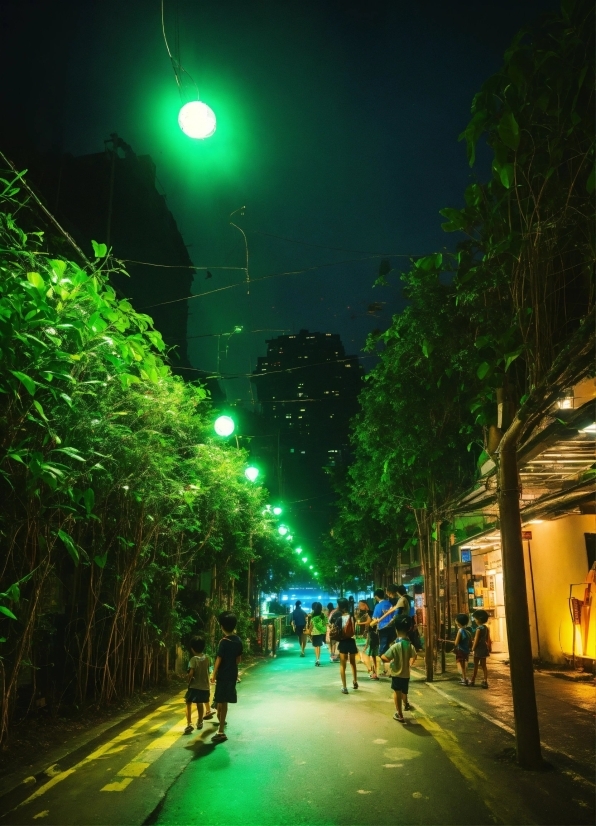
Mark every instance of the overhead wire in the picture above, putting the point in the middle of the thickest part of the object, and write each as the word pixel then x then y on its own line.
pixel 263 278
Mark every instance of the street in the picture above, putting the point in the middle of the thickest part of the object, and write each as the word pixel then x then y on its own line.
pixel 300 752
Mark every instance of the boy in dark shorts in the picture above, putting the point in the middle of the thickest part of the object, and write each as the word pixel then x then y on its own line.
pixel 225 671
pixel 401 655
pixel 481 646
pixel 198 683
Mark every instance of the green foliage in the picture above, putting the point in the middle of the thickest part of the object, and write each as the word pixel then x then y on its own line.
pixel 113 494
pixel 491 318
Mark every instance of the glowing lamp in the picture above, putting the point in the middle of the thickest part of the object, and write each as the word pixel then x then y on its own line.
pixel 305 559
pixel 251 473
pixel 224 426
pixel 311 567
pixel 277 511
pixel 282 530
pixel 197 120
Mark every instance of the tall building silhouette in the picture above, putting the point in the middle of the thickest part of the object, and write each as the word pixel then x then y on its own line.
pixel 308 391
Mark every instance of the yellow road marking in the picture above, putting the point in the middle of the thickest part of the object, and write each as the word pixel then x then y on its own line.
pixel 462 762
pixel 124 735
pixel 117 786
pixel 146 757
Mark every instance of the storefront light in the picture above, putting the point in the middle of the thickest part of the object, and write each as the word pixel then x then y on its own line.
pixel 591 428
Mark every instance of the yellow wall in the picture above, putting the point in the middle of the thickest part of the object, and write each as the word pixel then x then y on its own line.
pixel 559 558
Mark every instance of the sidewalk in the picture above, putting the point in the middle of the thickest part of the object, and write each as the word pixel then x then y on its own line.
pixel 565 707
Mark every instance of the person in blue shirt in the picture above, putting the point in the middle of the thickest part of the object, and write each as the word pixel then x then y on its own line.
pixel 386 600
pixel 299 619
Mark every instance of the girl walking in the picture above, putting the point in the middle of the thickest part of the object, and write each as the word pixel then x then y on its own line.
pixel 317 628
pixel 343 630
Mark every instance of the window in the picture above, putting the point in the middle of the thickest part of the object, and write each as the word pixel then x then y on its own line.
pixel 291 450
pixel 303 452
pixel 303 409
pixel 288 415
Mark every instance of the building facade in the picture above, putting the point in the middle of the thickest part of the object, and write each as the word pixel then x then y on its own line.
pixel 307 388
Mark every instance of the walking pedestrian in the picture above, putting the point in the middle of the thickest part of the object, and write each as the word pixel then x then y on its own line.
pixel 317 628
pixel 198 683
pixel 372 650
pixel 331 643
pixel 463 644
pixel 343 630
pixel 225 671
pixel 401 655
pixel 363 619
pixel 299 618
pixel 481 647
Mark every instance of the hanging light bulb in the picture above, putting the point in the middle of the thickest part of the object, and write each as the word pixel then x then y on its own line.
pixel 197 120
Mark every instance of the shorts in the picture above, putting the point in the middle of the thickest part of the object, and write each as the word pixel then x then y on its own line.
pixel 225 691
pixel 372 650
pixel 318 640
pixel 347 646
pixel 197 695
pixel 481 652
pixel 400 684
pixel 461 656
pixel 300 630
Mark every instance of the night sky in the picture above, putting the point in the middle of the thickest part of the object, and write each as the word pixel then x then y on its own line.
pixel 337 127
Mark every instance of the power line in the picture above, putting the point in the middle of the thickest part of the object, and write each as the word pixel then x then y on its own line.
pixel 263 278
pixel 230 376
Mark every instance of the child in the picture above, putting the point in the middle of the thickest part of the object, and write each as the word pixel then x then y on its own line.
pixel 372 649
pixel 481 646
pixel 362 622
pixel 317 628
pixel 401 655
pixel 198 683
pixel 463 642
pixel 225 671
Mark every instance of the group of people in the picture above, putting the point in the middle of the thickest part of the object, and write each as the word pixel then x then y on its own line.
pixel 391 637
pixel 392 640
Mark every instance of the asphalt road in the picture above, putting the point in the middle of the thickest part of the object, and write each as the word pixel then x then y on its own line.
pixel 300 752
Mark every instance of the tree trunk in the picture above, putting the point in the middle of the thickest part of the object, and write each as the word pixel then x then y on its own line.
pixel 429 607
pixel 527 734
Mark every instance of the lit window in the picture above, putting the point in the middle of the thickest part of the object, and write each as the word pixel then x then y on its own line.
pixel 291 450
pixel 303 451
pixel 303 409
pixel 288 415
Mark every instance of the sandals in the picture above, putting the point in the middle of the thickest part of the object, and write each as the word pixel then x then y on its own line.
pixel 399 718
pixel 220 737
pixel 344 691
pixel 355 685
pixel 407 706
pixel 189 729
pixel 209 716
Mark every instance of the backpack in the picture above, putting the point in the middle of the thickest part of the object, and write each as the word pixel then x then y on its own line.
pixel 338 632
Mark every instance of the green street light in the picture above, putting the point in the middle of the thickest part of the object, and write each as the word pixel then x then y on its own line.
pixel 282 530
pixel 251 473
pixel 311 567
pixel 289 537
pixel 224 426
pixel 298 550
pixel 197 120
pixel 277 511
pixel 305 559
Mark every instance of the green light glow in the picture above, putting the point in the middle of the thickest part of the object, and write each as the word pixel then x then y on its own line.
pixel 282 530
pixel 251 473
pixel 197 120
pixel 224 426
pixel 311 567
pixel 305 559
pixel 277 511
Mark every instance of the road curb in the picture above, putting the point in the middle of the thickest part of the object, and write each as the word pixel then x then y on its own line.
pixel 502 725
pixel 38 771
